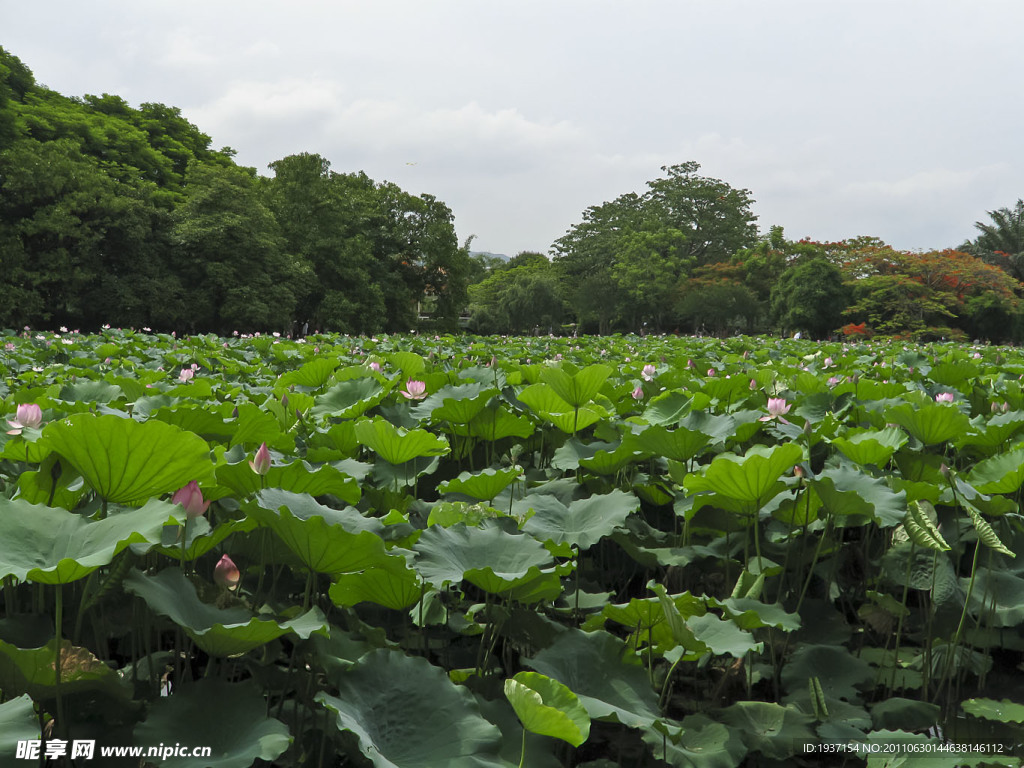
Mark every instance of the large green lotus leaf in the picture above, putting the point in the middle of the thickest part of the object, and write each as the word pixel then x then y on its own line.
pixel 255 426
pixel 304 506
pixel 311 375
pixel 89 392
pixel 839 671
pixel 748 613
pixel 201 537
pixel 871 446
pixel 349 399
pixel 297 477
pixel 218 631
pixel 667 408
pixel 930 423
pixel 394 586
pixel 53 546
pixel 126 461
pixel 567 456
pixel 230 718
pixel 997 597
pixel 319 538
pixel 678 444
pixel 645 613
pixel 406 713
pixel 953 373
pixel 575 388
pixel 496 422
pixel 484 485
pixel 994 432
pixel 487 556
pixel 18 722
pixel 546 707
pixel 409 363
pixel 750 479
pixel 605 462
pixel 583 523
pixel 53 484
pixel 769 728
pixel 846 491
pixel 603 673
pixel 31 671
pixel 540 750
pixel 1003 473
pixel 699 743
pixel 723 636
pixel 544 401
pixel 455 404
pixel 396 445
pixel 207 421
pixel 1004 711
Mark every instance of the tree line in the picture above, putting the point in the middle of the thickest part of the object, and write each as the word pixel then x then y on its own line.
pixel 112 214
pixel 686 256
pixel 117 215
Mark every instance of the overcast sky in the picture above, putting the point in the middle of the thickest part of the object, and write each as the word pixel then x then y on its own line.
pixel 897 119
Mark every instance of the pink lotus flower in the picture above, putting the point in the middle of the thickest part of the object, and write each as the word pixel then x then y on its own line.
pixel 375 366
pixel 27 416
pixel 414 390
pixel 638 393
pixel 777 408
pixel 711 371
pixel 226 573
pixel 827 363
pixel 186 375
pixel 648 372
pixel 833 380
pixel 261 464
pixel 753 384
pixel 945 397
pixel 191 498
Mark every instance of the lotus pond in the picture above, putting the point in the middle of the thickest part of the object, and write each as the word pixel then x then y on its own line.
pixel 459 551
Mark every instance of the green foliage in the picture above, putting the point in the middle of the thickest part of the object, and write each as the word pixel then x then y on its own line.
pixel 810 297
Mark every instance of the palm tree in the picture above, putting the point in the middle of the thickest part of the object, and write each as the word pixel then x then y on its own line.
pixel 1001 241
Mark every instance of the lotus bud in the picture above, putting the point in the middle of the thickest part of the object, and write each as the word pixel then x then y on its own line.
pixel 711 371
pixel 638 393
pixel 648 372
pixel 191 498
pixel 945 397
pixel 284 401
pixel 753 383
pixel 27 416
pixel 1006 407
pixel 226 573
pixel 261 464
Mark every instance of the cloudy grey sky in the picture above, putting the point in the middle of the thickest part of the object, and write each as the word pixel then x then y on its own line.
pixel 895 118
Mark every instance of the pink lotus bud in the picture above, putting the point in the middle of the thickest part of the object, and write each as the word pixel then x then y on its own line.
pixel 226 573
pixel 798 471
pixel 711 371
pixel 945 397
pixel 191 498
pixel 753 383
pixel 27 416
pixel 284 401
pixel 375 366
pixel 648 372
pixel 1006 407
pixel 638 393
pixel 994 407
pixel 261 464
pixel 414 390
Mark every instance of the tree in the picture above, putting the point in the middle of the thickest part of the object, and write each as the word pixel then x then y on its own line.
pixel 231 254
pixel 518 300
pixel 810 297
pixel 625 259
pixel 715 300
pixel 1001 241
